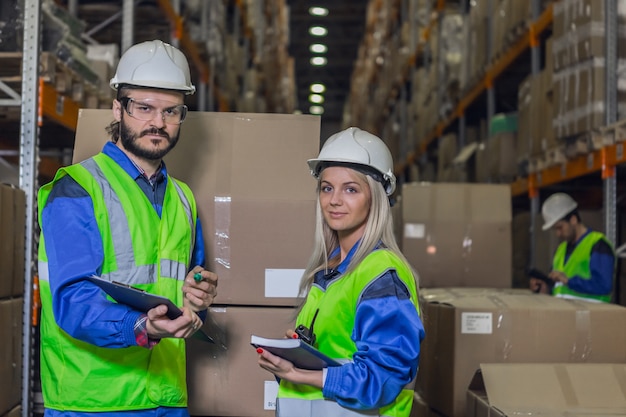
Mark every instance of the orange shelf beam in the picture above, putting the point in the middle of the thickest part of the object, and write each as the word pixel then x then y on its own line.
pixel 599 161
pixel 519 187
pixel 56 107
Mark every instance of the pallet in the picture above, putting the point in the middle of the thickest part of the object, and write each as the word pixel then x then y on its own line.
pixel 609 135
pixel 551 157
pixel 578 145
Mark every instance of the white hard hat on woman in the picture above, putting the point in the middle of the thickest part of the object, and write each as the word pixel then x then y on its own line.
pixel 154 64
pixel 360 150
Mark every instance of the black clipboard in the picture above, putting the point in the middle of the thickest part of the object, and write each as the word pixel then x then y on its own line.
pixel 142 301
pixel 296 351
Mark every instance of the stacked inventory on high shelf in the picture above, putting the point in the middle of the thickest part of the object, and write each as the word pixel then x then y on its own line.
pixel 504 91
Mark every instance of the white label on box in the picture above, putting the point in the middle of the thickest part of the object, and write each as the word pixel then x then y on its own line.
pixel 476 323
pixel 414 230
pixel 270 392
pixel 282 283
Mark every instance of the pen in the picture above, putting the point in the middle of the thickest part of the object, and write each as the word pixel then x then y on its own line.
pixel 197 277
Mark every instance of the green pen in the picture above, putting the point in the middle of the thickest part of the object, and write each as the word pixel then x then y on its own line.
pixel 197 277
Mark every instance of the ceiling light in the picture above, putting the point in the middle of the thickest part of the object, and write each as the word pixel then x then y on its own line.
pixel 318 61
pixel 318 48
pixel 318 88
pixel 316 98
pixel 318 30
pixel 316 110
pixel 318 11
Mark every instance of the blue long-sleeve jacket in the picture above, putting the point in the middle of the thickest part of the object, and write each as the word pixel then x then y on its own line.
pixel 74 250
pixel 387 332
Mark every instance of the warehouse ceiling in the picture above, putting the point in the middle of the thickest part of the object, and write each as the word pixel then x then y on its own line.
pixel 345 23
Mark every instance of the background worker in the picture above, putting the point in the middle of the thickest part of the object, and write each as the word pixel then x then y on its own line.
pixel 583 266
pixel 120 216
pixel 362 299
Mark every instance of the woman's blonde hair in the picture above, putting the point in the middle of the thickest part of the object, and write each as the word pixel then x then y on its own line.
pixel 378 232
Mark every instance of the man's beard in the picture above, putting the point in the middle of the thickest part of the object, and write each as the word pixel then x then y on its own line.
pixel 129 140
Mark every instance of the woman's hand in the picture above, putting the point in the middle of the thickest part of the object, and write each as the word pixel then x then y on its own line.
pixel 284 369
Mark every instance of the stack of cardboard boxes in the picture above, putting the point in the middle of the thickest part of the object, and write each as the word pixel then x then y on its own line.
pixel 458 238
pixel 256 202
pixel 12 228
pixel 579 54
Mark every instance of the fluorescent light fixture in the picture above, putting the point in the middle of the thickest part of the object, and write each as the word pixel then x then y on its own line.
pixel 316 110
pixel 318 61
pixel 318 11
pixel 318 31
pixel 318 88
pixel 318 48
pixel 316 98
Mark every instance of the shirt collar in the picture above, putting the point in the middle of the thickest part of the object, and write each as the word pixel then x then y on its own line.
pixel 344 264
pixel 114 152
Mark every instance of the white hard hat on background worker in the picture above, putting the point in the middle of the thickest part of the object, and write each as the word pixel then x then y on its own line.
pixel 357 148
pixel 154 64
pixel 555 208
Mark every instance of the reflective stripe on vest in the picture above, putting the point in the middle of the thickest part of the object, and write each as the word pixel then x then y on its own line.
pixel 78 376
pixel 337 317
pixel 295 407
pixel 577 265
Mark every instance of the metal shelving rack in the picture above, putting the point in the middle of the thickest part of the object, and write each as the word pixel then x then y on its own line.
pixel 29 147
pixel 39 99
pixel 601 161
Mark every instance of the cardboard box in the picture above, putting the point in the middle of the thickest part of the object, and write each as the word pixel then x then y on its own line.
pixel 585 390
pixel 421 409
pixel 10 354
pixel 256 197
pixel 14 412
pixel 230 382
pixel 12 238
pixel 469 327
pixel 458 235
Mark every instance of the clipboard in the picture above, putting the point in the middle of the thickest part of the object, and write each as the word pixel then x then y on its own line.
pixel 143 301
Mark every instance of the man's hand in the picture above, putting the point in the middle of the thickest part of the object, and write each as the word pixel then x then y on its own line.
pixel 200 289
pixel 160 326
pixel 558 276
pixel 539 286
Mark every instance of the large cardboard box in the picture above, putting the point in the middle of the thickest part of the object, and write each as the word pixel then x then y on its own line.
pixel 12 238
pixel 458 235
pixel 10 353
pixel 230 382
pixel 469 327
pixel 256 198
pixel 557 390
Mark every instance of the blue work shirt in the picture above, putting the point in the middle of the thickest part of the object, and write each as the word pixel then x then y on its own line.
pixel 75 251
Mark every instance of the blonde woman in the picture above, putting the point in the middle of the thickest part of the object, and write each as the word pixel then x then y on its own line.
pixel 361 306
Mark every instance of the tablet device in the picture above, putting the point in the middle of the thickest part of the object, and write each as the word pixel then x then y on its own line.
pixel 142 301
pixel 136 298
pixel 535 273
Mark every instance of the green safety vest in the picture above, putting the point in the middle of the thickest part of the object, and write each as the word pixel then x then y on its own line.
pixel 336 320
pixel 577 265
pixel 141 249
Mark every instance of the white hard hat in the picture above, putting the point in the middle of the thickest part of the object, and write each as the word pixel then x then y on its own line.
pixel 555 208
pixel 357 147
pixel 154 64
